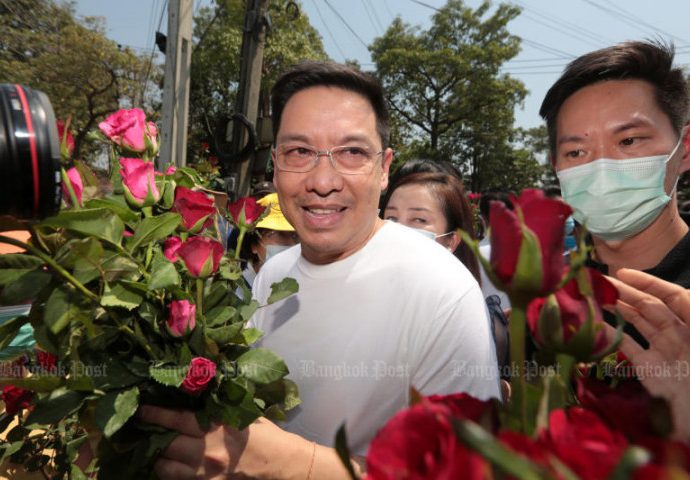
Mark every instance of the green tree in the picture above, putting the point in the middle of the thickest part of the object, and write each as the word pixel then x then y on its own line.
pixel 85 75
pixel 445 87
pixel 216 59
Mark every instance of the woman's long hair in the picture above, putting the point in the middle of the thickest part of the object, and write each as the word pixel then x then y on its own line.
pixel 450 192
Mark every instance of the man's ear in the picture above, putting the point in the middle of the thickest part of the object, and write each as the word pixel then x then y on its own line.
pixel 273 162
pixel 386 166
pixel 685 161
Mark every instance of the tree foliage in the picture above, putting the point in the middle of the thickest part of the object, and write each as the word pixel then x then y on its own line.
pixel 216 58
pixel 85 75
pixel 447 94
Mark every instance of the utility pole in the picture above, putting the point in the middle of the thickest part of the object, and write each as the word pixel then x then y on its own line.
pixel 178 55
pixel 253 41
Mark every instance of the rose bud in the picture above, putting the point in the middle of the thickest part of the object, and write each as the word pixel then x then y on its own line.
pixel 201 372
pixel 201 256
pixel 571 320
pixel 196 208
pixel 527 244
pixel 182 319
pixel 128 129
pixel 66 140
pixel 139 182
pixel 245 211
pixel 170 248
pixel 151 139
pixel 75 180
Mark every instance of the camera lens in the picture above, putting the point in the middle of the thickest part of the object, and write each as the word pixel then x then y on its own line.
pixel 29 154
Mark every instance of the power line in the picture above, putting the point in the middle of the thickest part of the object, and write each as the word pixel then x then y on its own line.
pixel 618 16
pixel 346 24
pixel 643 22
pixel 385 3
pixel 547 49
pixel 376 15
pixel 153 52
pixel 425 5
pixel 328 29
pixel 559 30
pixel 371 19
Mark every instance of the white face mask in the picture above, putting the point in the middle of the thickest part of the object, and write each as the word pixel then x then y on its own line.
pixel 616 199
pixel 272 250
pixel 429 234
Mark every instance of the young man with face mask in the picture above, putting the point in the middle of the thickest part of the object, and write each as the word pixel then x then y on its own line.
pixel 619 140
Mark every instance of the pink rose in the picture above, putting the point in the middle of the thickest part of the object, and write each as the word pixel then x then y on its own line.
pixel 196 208
pixel 77 186
pixel 126 128
pixel 170 248
pixel 66 140
pixel 201 372
pixel 182 319
pixel 201 256
pixel 139 181
pixel 170 170
pixel 151 139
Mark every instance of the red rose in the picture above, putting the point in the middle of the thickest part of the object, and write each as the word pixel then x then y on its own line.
pixel 532 233
pixel 196 208
pixel 16 398
pixel 138 178
pixel 467 407
pixel 419 443
pixel 245 211
pixel 583 442
pixel 201 256
pixel 128 129
pixel 527 447
pixel 182 318
pixel 77 185
pixel 628 408
pixel 47 361
pixel 572 322
pixel 170 248
pixel 201 372
pixel 66 140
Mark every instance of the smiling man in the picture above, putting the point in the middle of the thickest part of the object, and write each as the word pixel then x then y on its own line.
pixel 617 122
pixel 380 308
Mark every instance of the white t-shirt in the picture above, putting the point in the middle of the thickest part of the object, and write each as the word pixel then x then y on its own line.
pixel 401 312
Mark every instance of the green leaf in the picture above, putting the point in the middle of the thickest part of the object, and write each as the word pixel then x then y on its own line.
pixel 633 458
pixel 291 394
pixel 115 408
pixel 219 315
pixel 98 222
pixel 10 329
pixel 55 407
pixel 170 375
pixel 251 335
pixel 20 261
pixel 11 275
pixel 60 310
pixel 11 449
pixel 246 311
pixel 261 366
pixel 220 295
pixel 152 229
pixel 224 335
pixel 282 289
pixel 163 273
pixel 87 257
pixel 25 288
pixel 119 267
pixel 120 208
pixel 120 296
pixel 490 448
pixel 343 451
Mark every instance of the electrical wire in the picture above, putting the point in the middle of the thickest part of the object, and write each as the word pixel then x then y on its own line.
pixel 145 83
pixel 328 29
pixel 346 24
pixel 425 5
pixel 371 19
pixel 560 30
pixel 376 15
pixel 547 49
pixel 639 20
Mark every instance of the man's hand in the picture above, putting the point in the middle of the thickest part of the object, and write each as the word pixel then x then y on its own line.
pixel 661 312
pixel 262 450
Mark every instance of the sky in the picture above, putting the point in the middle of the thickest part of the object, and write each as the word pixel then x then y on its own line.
pixel 554 32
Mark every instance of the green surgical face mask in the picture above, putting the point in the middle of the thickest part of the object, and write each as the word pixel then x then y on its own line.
pixel 616 199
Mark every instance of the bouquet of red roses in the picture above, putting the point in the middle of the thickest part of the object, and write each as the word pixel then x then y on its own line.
pixel 132 301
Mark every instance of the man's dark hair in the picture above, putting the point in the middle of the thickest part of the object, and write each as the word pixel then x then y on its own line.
pixel 327 74
pixel 650 61
pixel 493 196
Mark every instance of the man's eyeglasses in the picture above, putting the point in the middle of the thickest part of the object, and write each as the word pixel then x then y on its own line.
pixel 349 160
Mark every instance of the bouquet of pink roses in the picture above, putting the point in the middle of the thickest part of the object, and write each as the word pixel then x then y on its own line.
pixel 133 301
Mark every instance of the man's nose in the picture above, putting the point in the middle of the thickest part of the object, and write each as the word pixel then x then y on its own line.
pixel 324 178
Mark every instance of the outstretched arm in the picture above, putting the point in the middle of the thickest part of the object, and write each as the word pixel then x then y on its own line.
pixel 661 312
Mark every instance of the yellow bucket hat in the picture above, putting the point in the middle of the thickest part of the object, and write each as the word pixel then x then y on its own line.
pixel 275 219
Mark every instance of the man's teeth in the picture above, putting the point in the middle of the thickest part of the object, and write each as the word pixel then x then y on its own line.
pixel 322 211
